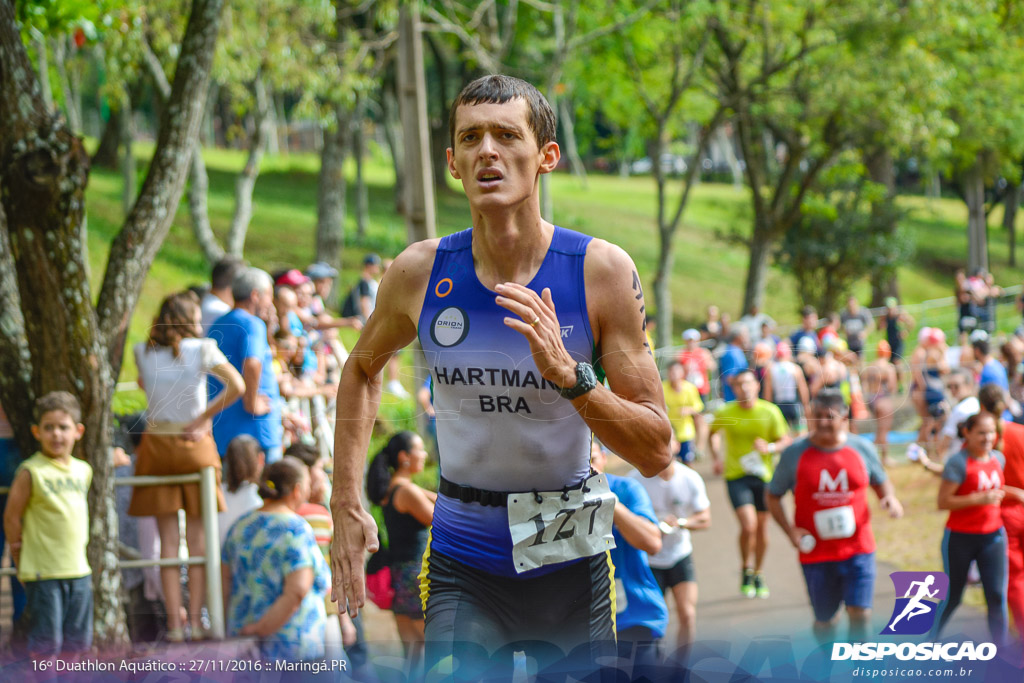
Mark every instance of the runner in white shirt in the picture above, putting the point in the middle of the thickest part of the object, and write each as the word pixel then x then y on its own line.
pixel 681 504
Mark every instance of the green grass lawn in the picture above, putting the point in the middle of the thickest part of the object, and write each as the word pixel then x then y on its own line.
pixel 707 270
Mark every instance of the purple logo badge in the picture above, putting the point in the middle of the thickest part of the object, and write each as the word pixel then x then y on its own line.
pixel 918 595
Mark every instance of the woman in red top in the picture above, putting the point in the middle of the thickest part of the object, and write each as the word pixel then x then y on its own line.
pixel 972 490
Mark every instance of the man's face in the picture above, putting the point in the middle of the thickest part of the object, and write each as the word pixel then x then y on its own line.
pixel 496 154
pixel 323 286
pixel 264 302
pixel 810 321
pixel 746 387
pixel 828 427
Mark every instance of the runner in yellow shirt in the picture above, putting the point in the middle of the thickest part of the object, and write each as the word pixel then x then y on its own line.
pixel 683 404
pixel 753 431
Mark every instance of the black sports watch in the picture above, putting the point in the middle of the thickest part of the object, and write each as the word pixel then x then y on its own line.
pixel 585 381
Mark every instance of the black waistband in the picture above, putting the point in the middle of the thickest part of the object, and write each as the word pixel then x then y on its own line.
pixel 471 494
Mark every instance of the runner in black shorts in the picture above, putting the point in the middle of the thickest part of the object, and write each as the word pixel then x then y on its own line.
pixel 518 548
pixel 754 430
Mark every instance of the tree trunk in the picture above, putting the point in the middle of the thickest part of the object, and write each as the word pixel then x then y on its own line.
pixel 330 204
pixel 1010 206
pixel 106 155
pixel 663 290
pixel 359 154
pixel 246 182
pixel 977 225
pixel 757 269
pixel 128 170
pixel 282 124
pixel 880 167
pixel 393 135
pixel 569 137
pixel 69 88
pixel 198 203
pixel 43 174
pixel 439 123
pixel 43 64
pixel 420 222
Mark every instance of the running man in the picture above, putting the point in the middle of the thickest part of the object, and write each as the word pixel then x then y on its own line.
pixel 511 315
pixel 829 473
pixel 754 430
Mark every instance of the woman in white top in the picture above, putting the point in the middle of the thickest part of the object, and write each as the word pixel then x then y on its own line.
pixel 173 367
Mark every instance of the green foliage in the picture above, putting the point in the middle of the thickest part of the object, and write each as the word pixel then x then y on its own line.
pixel 848 228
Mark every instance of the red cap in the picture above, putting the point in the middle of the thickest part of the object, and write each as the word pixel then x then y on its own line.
pixel 293 278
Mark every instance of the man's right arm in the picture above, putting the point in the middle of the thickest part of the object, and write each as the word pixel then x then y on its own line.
pixel 392 326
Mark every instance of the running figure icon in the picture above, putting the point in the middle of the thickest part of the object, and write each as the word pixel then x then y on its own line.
pixel 917 606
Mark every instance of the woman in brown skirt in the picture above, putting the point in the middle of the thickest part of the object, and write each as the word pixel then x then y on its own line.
pixel 173 367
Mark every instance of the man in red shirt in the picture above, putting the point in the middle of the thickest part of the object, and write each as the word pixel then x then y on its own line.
pixel 1013 520
pixel 829 472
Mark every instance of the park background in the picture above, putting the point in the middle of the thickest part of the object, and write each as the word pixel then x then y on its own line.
pixel 768 153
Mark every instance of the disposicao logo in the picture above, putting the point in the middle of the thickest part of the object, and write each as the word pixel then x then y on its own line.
pixel 915 612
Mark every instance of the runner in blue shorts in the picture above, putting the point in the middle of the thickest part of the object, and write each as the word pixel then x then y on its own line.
pixel 829 473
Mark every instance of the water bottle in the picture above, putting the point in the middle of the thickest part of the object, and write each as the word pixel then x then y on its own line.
pixel 914 452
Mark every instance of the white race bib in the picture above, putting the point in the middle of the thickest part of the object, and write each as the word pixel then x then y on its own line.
pixel 833 523
pixel 561 527
pixel 753 464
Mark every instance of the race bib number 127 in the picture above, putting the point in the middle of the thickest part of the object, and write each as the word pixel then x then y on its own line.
pixel 558 529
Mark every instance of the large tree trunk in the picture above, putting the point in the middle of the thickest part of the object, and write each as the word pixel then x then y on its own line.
pixel 757 269
pixel 977 225
pixel 330 200
pixel 246 182
pixel 1010 205
pixel 60 341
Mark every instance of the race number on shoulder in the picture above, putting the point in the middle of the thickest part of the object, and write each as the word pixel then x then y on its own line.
pixel 561 527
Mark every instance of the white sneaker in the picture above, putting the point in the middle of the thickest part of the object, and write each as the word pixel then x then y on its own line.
pixel 395 387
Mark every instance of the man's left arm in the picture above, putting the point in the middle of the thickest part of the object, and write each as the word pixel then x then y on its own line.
pixel 629 417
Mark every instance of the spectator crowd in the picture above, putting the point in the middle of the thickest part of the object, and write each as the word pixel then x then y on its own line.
pixel 225 369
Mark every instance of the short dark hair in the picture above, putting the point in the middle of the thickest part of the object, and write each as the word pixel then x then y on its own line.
pixel 498 89
pixel 981 346
pixel 808 310
pixel 57 400
pixel 829 399
pixel 744 371
pixel 225 271
pixel 309 455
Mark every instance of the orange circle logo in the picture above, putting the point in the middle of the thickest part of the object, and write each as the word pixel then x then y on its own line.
pixel 441 283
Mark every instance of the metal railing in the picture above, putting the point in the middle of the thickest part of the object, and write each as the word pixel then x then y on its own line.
pixel 207 480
